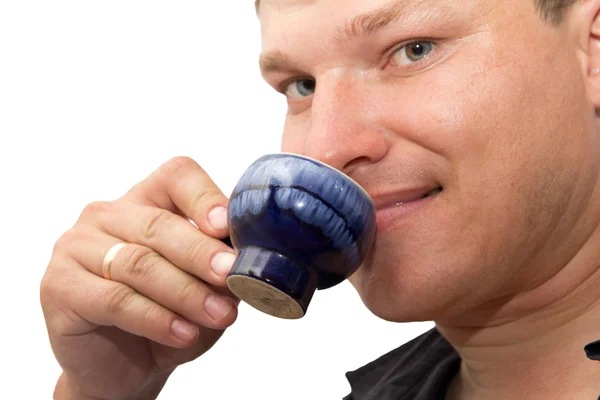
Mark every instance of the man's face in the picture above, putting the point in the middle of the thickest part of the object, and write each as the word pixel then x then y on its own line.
pixel 481 99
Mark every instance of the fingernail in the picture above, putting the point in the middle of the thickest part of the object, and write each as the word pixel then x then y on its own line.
pixel 184 331
pixel 222 262
pixel 217 307
pixel 217 217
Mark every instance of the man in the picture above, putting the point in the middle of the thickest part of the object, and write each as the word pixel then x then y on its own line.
pixel 486 106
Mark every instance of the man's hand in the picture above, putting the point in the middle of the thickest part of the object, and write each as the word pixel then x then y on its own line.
pixel 166 301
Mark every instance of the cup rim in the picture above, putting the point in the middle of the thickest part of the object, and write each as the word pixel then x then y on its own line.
pixel 327 166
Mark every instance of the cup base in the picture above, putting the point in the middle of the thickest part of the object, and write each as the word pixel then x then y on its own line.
pixel 264 297
pixel 272 283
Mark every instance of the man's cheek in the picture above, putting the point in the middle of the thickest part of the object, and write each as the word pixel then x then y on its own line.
pixel 292 140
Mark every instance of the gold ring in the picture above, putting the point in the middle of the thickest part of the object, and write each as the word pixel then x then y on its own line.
pixel 108 259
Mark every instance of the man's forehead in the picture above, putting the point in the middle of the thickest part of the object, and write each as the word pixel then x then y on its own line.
pixel 330 12
pixel 282 5
pixel 338 17
pixel 286 6
pixel 325 8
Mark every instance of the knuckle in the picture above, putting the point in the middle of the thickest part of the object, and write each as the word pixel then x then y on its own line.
pixel 65 241
pixel 118 298
pixel 55 283
pixel 48 290
pixel 95 208
pixel 156 223
pixel 169 173
pixel 179 163
pixel 58 314
pixel 151 315
pixel 207 196
pixel 141 262
pixel 204 200
pixel 57 311
pixel 186 292
pixel 196 249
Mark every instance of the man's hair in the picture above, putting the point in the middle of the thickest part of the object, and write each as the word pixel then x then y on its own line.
pixel 551 10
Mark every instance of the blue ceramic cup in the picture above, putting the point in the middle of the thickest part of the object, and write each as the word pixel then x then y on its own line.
pixel 298 225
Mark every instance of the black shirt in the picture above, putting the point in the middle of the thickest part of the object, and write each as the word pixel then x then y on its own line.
pixel 419 370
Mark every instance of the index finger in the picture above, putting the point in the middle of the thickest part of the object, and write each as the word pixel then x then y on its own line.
pixel 181 186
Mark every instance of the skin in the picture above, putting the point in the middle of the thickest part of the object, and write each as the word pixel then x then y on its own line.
pixel 122 338
pixel 501 114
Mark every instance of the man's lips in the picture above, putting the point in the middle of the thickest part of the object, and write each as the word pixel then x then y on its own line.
pixel 401 197
pixel 394 206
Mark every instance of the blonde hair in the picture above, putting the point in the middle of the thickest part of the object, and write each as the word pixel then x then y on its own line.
pixel 551 10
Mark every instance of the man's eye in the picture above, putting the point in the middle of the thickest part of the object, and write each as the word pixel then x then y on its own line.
pixel 300 88
pixel 411 53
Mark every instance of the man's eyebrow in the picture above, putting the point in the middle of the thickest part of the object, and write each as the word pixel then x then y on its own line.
pixel 274 60
pixel 372 22
pixel 366 24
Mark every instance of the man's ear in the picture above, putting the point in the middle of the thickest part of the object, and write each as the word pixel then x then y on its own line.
pixel 587 22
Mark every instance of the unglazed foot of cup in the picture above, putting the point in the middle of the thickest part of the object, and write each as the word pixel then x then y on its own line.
pixel 264 297
pixel 272 283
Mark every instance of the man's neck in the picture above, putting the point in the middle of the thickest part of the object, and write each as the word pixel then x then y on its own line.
pixel 516 351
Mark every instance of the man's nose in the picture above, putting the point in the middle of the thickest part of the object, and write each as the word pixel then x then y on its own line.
pixel 345 130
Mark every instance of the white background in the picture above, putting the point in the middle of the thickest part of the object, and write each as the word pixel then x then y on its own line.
pixel 93 97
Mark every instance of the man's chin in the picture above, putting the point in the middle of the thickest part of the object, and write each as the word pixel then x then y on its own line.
pixel 398 303
pixel 384 304
pixel 396 315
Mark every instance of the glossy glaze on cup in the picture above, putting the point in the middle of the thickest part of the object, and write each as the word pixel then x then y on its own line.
pixel 298 225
